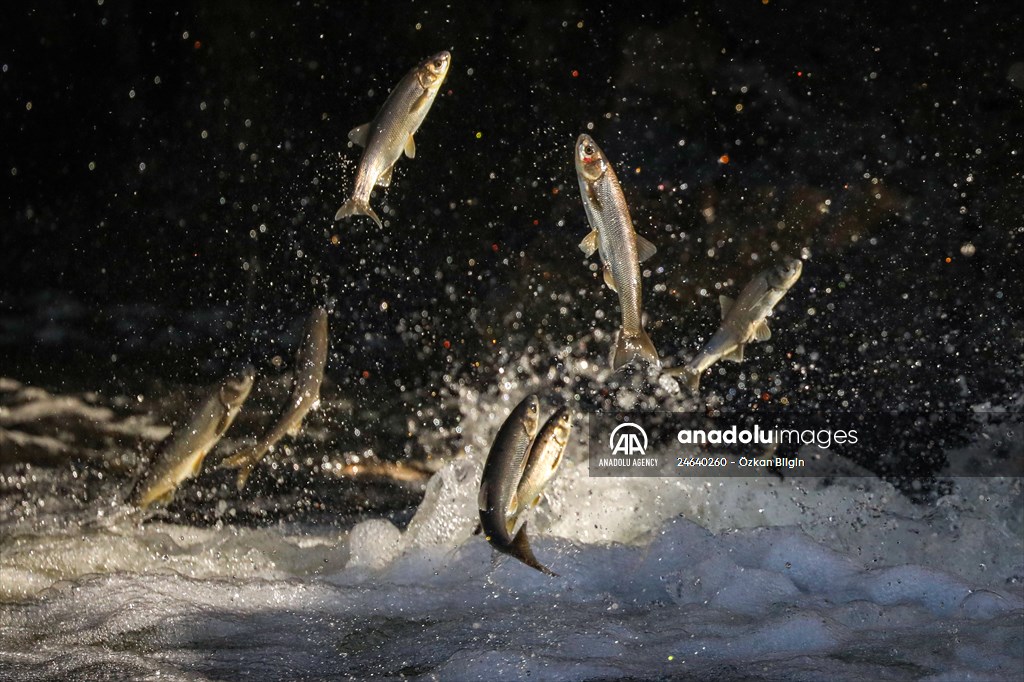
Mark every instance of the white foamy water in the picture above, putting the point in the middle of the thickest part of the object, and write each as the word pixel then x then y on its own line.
pixel 754 578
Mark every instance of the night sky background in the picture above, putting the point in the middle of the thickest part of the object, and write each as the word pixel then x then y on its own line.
pixel 171 176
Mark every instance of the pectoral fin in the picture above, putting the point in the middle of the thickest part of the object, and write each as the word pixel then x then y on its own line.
pixel 735 355
pixel 360 135
pixel 761 331
pixel 410 148
pixel 609 279
pixel 726 303
pixel 644 249
pixel 384 180
pixel 589 244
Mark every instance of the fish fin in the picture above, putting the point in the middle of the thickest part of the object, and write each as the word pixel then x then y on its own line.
pixel 735 355
pixel 537 499
pixel 761 331
pixel 161 500
pixel 294 429
pixel 238 459
pixel 592 195
pixel 384 179
pixel 589 244
pixel 644 249
pixel 360 135
pixel 410 148
pixel 354 207
pixel 243 475
pixel 692 379
pixel 520 549
pixel 609 279
pixel 197 466
pixel 420 102
pixel 726 303
pixel 510 525
pixel 687 375
pixel 513 503
pixel 630 348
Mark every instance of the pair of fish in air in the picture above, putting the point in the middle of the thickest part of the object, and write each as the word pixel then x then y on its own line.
pixel 612 235
pixel 182 455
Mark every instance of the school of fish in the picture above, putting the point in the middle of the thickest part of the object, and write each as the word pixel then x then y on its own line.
pixel 525 454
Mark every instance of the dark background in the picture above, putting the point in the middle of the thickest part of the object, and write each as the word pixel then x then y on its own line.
pixel 152 154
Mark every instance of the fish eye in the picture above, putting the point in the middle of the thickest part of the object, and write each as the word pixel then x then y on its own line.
pixel 437 63
pixel 588 150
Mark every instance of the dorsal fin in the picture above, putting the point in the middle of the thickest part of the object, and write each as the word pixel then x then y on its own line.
pixel 360 135
pixel 726 303
pixel 644 249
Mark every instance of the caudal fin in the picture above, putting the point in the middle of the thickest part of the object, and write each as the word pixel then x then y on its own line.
pixel 355 207
pixel 687 375
pixel 629 348
pixel 520 549
pixel 245 462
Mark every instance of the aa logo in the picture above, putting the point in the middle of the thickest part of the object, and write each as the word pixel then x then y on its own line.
pixel 628 439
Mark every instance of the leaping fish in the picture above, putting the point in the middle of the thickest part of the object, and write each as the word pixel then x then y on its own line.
pixel 743 320
pixel 621 249
pixel 498 502
pixel 543 460
pixel 182 456
pixel 305 396
pixel 391 133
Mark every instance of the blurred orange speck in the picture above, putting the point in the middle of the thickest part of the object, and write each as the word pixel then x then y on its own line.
pixel 724 158
pixel 766 396
pixel 575 73
pixel 447 344
pixel 554 190
pixel 536 222
pixel 335 240
pixel 799 74
pixel 366 374
pixel 637 170
pixel 948 259
pixel 494 247
pixel 196 45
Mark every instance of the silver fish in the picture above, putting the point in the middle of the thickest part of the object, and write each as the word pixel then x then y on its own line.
pixel 391 132
pixel 182 456
pixel 743 320
pixel 502 472
pixel 621 249
pixel 309 374
pixel 543 460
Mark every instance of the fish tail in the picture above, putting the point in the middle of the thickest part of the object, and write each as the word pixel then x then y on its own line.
pixel 629 347
pixel 687 374
pixel 245 462
pixel 692 379
pixel 520 549
pixel 357 207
